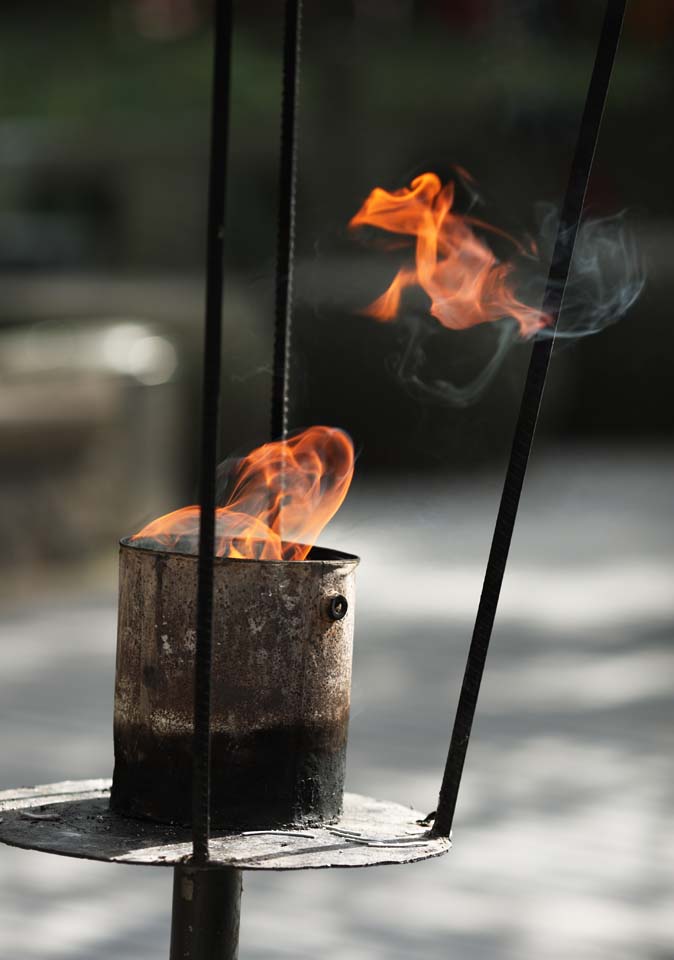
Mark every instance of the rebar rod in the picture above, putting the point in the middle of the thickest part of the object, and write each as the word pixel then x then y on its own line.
pixel 209 426
pixel 567 231
pixel 206 911
pixel 285 250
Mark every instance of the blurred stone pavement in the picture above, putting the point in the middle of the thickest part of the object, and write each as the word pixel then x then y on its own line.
pixel 563 841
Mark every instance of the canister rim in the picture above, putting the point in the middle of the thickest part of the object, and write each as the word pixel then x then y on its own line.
pixel 325 556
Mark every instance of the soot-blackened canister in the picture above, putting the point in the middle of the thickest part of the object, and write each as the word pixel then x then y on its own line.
pixel 281 682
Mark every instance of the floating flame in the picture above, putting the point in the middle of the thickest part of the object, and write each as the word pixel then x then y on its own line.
pixel 466 283
pixel 282 496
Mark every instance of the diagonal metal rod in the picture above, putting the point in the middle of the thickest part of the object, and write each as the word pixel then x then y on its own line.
pixel 201 780
pixel 571 212
pixel 285 251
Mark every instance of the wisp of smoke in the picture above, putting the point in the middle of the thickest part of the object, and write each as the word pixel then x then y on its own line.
pixel 411 365
pixel 606 278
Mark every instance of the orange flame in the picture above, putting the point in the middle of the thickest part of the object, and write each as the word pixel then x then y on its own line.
pixel 283 495
pixel 466 283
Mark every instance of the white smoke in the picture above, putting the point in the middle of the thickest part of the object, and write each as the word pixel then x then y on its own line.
pixel 606 278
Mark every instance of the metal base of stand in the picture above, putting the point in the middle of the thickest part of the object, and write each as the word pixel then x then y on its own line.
pixel 74 819
pixel 206 910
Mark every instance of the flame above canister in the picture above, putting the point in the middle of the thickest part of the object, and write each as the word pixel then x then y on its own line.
pixel 282 496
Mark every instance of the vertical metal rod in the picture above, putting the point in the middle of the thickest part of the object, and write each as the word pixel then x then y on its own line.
pixel 285 251
pixel 209 426
pixel 572 209
pixel 206 910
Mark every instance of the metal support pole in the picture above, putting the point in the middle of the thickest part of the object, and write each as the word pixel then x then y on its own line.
pixel 206 908
pixel 569 222
pixel 285 254
pixel 215 239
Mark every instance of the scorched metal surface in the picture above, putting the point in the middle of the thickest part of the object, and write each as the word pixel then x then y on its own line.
pixel 74 819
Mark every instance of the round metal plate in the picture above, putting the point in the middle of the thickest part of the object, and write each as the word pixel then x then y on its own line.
pixel 73 819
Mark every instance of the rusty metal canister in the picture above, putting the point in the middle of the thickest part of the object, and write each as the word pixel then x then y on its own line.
pixel 282 647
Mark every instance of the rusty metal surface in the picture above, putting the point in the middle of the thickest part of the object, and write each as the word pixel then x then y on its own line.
pixel 281 687
pixel 74 819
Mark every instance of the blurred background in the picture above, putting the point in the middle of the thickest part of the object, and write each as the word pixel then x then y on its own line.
pixel 563 841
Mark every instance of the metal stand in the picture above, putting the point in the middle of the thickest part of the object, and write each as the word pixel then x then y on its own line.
pixel 74 819
pixel 206 910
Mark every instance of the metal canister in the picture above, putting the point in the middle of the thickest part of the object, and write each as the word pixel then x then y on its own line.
pixel 282 650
